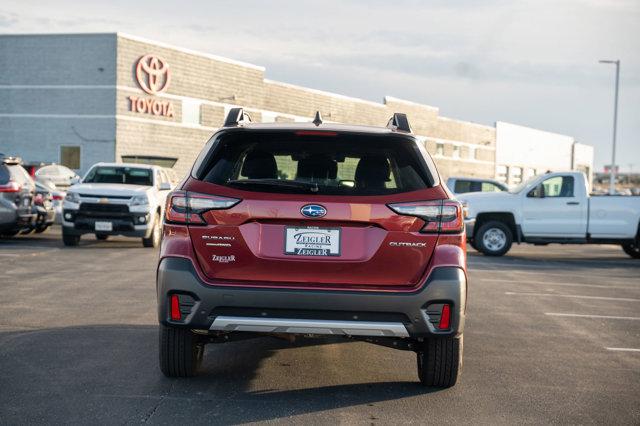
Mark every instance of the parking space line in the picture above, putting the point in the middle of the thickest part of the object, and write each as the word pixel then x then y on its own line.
pixel 558 314
pixel 623 349
pixel 575 296
pixel 568 274
pixel 559 284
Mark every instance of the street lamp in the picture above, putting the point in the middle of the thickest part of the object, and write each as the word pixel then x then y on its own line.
pixel 612 173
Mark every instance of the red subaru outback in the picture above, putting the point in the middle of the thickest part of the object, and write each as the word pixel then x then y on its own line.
pixel 315 230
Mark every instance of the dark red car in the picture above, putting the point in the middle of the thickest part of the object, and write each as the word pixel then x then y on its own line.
pixel 316 230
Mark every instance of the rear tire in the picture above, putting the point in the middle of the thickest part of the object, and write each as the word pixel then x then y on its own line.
pixel 494 238
pixel 156 234
pixel 181 352
pixel 440 362
pixel 102 237
pixel 70 240
pixel 632 249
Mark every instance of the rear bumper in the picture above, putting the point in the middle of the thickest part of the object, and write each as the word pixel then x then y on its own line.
pixel 206 307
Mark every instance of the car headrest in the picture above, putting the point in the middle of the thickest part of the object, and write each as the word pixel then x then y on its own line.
pixel 372 171
pixel 260 165
pixel 317 167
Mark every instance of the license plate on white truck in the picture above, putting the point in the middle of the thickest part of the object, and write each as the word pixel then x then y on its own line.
pixel 104 226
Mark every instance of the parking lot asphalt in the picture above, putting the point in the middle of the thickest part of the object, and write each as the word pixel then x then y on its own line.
pixel 552 336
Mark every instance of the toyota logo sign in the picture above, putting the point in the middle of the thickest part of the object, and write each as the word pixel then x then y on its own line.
pixel 152 74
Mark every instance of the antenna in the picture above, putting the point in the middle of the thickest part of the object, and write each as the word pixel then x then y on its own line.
pixel 317 120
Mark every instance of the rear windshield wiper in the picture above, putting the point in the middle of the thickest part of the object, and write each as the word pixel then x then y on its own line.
pixel 312 186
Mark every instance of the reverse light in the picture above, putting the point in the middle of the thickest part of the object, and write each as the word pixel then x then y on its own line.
pixel 10 186
pixel 187 207
pixel 440 216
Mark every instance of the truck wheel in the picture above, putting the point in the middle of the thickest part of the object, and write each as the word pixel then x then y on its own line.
pixel 102 237
pixel 440 362
pixel 156 234
pixel 632 249
pixel 494 238
pixel 70 239
pixel 181 352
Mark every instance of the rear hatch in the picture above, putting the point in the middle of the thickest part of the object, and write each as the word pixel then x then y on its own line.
pixel 310 208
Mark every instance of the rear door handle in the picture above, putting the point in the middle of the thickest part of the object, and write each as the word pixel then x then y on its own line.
pixel 572 203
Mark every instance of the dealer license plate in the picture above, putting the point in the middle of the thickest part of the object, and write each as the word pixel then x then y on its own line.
pixel 104 226
pixel 312 241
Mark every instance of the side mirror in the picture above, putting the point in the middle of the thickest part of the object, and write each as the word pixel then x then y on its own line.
pixel 74 180
pixel 537 192
pixel 165 186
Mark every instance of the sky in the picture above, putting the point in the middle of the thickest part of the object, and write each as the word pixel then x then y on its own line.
pixel 533 63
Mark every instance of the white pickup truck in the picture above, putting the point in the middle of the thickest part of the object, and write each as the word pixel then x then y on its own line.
pixel 117 199
pixel 551 208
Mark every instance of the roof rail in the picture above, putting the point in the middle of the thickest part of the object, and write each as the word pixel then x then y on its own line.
pixel 235 117
pixel 399 122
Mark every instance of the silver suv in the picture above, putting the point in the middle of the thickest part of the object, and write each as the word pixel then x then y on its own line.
pixel 17 191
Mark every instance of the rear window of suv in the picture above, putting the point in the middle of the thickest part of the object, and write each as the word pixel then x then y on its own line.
pixel 324 163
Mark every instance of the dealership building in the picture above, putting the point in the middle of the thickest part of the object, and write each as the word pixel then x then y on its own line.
pixel 77 99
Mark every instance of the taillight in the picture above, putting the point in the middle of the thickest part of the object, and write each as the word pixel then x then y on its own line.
pixel 187 207
pixel 10 186
pixel 57 197
pixel 440 216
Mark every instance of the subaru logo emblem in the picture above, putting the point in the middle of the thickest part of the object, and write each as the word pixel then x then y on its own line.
pixel 313 210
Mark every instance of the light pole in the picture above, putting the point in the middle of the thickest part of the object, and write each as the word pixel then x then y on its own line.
pixel 612 174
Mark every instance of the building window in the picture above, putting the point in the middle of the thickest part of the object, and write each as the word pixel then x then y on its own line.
pixel 190 112
pixel 502 172
pixel 268 117
pixel 439 148
pixel 473 153
pixel 516 175
pixel 70 156
pixel 456 151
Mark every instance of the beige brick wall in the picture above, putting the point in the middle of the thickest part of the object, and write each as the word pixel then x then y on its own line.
pixel 217 83
pixel 160 140
pixel 211 116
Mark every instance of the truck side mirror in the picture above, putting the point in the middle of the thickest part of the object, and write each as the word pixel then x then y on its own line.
pixel 74 180
pixel 537 192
